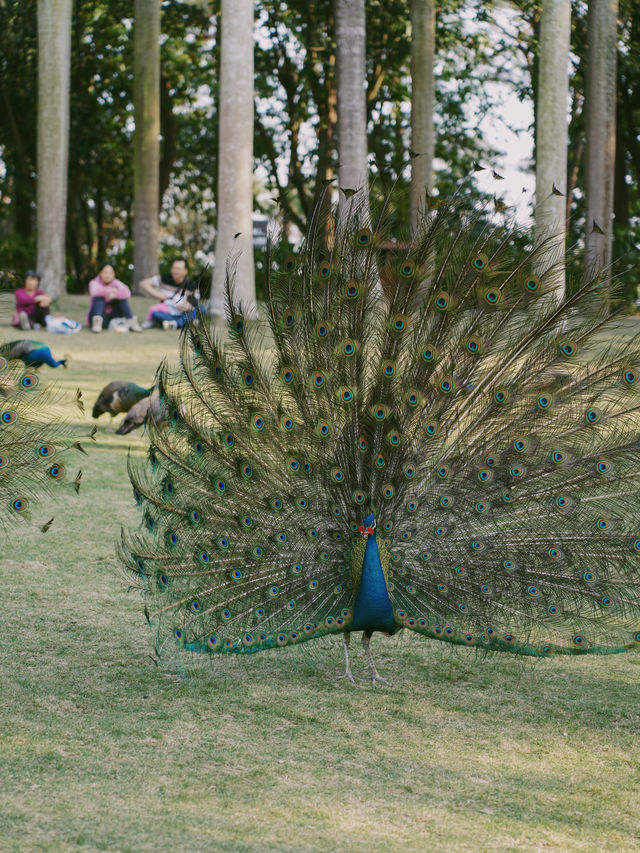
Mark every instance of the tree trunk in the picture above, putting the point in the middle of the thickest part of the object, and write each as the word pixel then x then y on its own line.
pixel 552 132
pixel 601 131
pixel 169 128
pixel 146 142
pixel 235 159
pixel 423 47
pixel 352 96
pixel 54 51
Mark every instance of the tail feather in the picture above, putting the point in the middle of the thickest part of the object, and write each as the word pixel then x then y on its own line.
pixel 475 411
pixel 35 441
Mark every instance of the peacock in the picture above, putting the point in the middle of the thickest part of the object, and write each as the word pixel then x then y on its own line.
pixel 423 433
pixel 119 396
pixel 31 353
pixel 36 442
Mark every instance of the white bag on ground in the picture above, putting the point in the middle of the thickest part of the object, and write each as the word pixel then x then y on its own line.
pixel 61 325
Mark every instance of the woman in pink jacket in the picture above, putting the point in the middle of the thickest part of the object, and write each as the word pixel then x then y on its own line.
pixel 109 301
pixel 32 304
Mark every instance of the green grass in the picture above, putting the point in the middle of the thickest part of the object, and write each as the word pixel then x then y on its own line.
pixel 102 750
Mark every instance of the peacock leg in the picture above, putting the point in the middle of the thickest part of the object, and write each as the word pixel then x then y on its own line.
pixel 375 675
pixel 347 673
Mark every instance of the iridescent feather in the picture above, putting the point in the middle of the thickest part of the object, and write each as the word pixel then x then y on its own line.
pixel 468 446
pixel 36 442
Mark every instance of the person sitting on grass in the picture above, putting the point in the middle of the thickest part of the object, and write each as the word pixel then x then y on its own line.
pixel 178 294
pixel 110 301
pixel 32 304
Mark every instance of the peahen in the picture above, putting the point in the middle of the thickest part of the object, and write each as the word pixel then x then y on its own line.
pixel 428 437
pixel 31 353
pixel 119 396
pixel 37 443
pixel 139 414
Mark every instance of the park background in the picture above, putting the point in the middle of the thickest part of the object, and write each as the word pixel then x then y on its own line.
pixel 99 748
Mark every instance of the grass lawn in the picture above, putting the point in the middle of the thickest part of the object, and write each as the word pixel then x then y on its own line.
pixel 102 750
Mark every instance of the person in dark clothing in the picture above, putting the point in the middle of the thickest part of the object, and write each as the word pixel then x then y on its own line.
pixel 177 294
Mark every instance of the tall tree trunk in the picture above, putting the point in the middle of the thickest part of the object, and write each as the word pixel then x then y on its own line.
pixel 423 48
pixel 551 129
pixel 235 158
pixel 146 142
pixel 601 131
pixel 352 103
pixel 169 127
pixel 54 53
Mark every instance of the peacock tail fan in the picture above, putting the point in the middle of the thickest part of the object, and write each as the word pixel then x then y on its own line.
pixel 37 441
pixel 441 383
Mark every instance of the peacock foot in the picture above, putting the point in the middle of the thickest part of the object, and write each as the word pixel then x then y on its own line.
pixel 348 674
pixel 376 678
pixel 347 671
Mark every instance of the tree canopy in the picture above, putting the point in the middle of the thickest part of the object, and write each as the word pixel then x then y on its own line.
pixel 295 115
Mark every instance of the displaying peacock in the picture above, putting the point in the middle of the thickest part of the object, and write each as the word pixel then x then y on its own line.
pixel 36 441
pixel 429 437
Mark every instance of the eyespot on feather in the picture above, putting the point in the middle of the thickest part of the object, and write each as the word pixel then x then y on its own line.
pixel 492 296
pixel 288 318
pixel 399 323
pixel 479 261
pixel 568 349
pixel 324 270
pixel 363 237
pixel 429 354
pixel 352 290
pixel 323 328
pixel 442 301
pixel 29 381
pixel 474 345
pixel 532 285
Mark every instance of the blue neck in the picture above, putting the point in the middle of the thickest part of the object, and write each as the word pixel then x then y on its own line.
pixel 40 356
pixel 372 609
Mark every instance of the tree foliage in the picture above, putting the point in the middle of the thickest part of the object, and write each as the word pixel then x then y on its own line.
pixel 295 115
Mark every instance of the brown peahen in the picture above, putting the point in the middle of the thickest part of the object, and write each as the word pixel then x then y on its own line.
pixel 139 414
pixel 459 458
pixel 118 396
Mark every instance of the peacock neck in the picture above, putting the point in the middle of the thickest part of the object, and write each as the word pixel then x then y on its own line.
pixel 372 609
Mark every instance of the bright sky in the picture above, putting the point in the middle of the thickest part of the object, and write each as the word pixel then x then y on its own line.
pixel 508 127
pixel 515 140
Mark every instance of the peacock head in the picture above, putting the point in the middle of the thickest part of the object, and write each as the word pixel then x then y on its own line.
pixel 368 526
